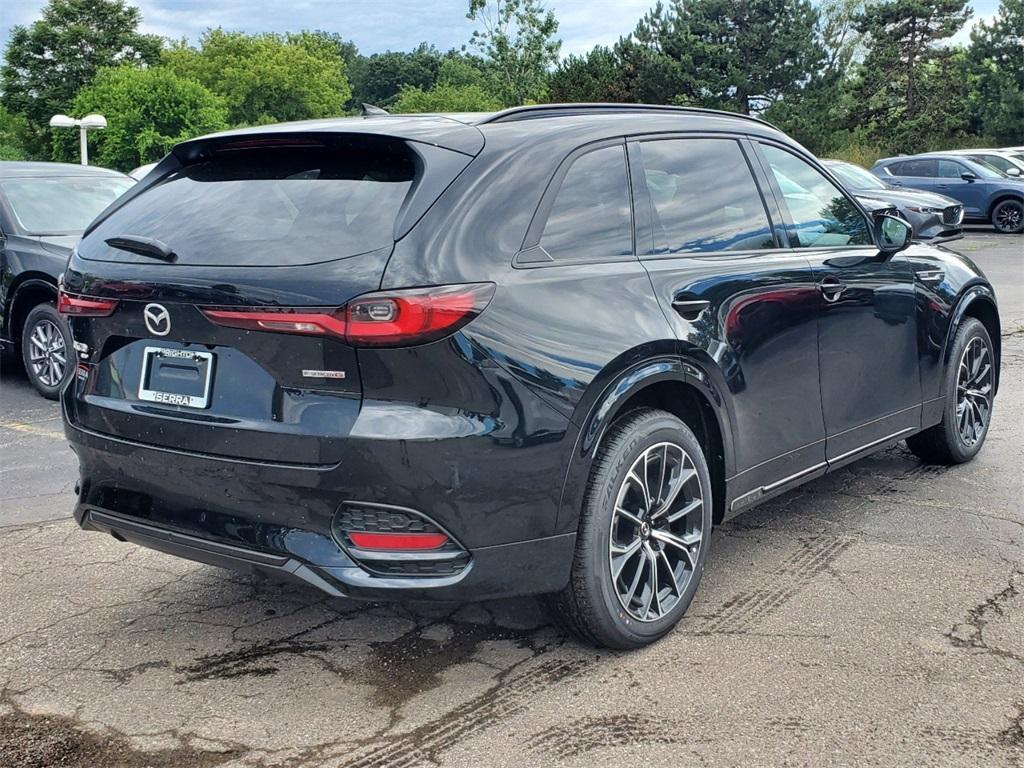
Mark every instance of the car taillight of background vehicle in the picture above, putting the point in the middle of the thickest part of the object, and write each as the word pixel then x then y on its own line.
pixel 84 306
pixel 384 319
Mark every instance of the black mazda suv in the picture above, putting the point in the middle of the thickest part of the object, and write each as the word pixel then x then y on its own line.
pixel 542 351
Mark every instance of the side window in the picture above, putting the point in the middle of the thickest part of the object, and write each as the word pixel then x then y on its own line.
pixel 1001 163
pixel 919 168
pixel 591 218
pixel 950 170
pixel 704 197
pixel 821 214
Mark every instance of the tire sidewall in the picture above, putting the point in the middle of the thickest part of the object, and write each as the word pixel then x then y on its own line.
pixel 48 312
pixel 995 214
pixel 660 427
pixel 968 330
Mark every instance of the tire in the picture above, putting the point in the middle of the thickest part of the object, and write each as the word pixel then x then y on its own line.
pixel 951 441
pixel 594 605
pixel 46 350
pixel 1008 217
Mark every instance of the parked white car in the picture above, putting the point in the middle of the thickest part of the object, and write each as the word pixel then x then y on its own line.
pixel 141 171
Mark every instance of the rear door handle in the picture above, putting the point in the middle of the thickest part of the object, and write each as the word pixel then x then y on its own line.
pixel 831 288
pixel 690 309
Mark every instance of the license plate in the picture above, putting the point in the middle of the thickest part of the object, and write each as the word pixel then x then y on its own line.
pixel 176 377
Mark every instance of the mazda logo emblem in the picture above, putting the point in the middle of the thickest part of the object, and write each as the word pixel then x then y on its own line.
pixel 158 319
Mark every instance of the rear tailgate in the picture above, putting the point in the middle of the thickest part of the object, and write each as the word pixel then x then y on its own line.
pixel 295 222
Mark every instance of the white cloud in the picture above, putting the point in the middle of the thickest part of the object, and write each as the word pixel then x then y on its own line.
pixel 374 25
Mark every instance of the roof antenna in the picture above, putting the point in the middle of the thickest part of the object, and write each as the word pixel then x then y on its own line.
pixel 369 110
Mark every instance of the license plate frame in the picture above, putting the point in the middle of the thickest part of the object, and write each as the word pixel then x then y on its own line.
pixel 205 360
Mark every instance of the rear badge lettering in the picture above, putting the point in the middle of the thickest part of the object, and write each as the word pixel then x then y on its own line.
pixel 310 374
pixel 171 399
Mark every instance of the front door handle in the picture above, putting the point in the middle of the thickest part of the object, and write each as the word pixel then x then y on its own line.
pixel 831 288
pixel 690 309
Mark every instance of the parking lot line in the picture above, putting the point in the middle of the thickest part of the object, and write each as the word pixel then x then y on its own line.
pixel 32 429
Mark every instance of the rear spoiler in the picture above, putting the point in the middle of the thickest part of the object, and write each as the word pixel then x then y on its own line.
pixel 443 145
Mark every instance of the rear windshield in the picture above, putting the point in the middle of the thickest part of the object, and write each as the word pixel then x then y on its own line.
pixel 61 206
pixel 270 205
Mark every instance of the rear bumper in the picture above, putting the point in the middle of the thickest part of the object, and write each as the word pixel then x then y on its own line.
pixel 505 570
pixel 497 500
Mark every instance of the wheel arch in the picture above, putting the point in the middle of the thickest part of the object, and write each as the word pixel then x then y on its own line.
pixel 30 289
pixel 978 301
pixel 999 198
pixel 679 384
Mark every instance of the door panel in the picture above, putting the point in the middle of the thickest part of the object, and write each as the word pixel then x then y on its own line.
pixel 951 184
pixel 867 320
pixel 749 311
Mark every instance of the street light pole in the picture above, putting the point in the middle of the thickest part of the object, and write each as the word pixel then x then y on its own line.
pixel 87 123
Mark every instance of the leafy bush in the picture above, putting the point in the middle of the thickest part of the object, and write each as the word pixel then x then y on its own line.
pixel 148 111
pixel 446 98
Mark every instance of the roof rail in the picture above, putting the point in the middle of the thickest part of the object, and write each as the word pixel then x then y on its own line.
pixel 536 111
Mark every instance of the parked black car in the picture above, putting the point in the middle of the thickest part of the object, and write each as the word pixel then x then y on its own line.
pixel 538 351
pixel 932 216
pixel 44 207
pixel 987 194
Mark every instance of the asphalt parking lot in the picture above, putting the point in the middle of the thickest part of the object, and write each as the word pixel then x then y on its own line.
pixel 872 617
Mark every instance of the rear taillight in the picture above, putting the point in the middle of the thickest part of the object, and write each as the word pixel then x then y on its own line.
pixel 281 320
pixel 384 319
pixel 84 306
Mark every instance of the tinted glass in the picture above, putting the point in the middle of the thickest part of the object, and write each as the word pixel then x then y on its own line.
pixel 950 170
pixel 984 170
pixel 822 215
pixel 921 168
pixel 271 206
pixel 61 206
pixel 591 216
pixel 704 197
pixel 855 177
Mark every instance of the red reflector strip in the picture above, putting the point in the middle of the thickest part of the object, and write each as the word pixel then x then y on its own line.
pixel 83 306
pixel 398 541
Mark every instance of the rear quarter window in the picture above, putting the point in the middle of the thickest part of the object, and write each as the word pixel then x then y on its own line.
pixel 591 216
pixel 270 206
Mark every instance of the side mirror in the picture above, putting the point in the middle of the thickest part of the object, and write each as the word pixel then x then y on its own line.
pixel 1013 171
pixel 968 176
pixel 892 234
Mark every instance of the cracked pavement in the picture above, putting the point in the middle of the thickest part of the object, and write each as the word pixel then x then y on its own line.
pixel 872 617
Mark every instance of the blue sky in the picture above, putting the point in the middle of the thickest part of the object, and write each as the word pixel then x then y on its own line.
pixel 375 25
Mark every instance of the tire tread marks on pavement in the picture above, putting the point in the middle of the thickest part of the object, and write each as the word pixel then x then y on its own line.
pixel 424 744
pixel 742 612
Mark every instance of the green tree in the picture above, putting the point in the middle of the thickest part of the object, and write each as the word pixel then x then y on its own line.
pixel 598 76
pixel 460 87
pixel 894 99
pixel 657 59
pixel 148 111
pixel 818 115
pixel 518 41
pixel 378 79
pixel 742 55
pixel 446 98
pixel 46 63
pixel 996 60
pixel 13 129
pixel 266 78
